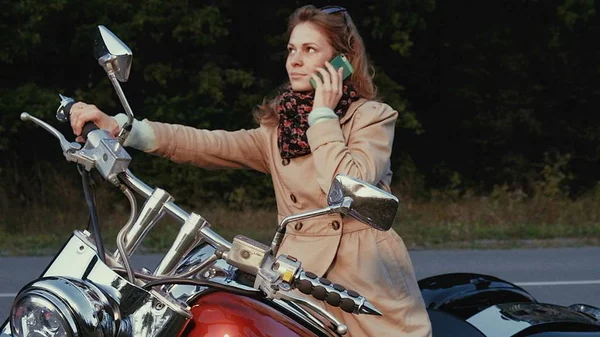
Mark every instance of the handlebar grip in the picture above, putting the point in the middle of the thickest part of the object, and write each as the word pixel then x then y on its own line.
pixel 324 290
pixel 87 127
pixel 67 109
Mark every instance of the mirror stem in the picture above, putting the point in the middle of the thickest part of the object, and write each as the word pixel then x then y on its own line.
pixel 342 207
pixel 108 67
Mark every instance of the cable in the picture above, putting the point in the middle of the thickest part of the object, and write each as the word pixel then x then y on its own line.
pixel 204 283
pixel 88 192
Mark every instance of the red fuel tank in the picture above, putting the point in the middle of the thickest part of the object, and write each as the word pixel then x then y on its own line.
pixel 222 314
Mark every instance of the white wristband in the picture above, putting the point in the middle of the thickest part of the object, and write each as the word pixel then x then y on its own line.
pixel 320 114
pixel 141 137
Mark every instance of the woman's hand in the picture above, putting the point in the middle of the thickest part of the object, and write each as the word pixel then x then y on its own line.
pixel 328 90
pixel 82 113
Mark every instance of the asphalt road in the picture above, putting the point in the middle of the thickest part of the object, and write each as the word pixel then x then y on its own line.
pixel 558 275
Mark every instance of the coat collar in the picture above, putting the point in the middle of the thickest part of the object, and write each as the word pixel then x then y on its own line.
pixel 352 109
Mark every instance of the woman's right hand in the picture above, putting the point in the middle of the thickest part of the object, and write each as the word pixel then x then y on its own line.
pixel 82 113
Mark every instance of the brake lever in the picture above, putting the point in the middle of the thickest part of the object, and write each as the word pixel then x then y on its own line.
pixel 69 148
pixel 64 143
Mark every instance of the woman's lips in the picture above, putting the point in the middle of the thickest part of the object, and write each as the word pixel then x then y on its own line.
pixel 297 75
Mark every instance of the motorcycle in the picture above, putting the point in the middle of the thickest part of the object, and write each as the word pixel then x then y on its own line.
pixel 204 284
pixel 477 305
pixel 207 286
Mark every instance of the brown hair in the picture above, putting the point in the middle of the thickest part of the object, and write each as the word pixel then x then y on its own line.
pixel 342 34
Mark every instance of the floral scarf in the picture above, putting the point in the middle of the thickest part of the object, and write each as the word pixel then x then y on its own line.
pixel 293 110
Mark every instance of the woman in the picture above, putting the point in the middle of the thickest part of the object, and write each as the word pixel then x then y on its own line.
pixel 306 137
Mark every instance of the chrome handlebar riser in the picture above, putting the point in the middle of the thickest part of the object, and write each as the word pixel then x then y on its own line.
pixel 151 213
pixel 189 236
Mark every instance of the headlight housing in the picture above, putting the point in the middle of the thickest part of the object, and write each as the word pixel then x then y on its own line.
pixel 37 315
pixel 63 307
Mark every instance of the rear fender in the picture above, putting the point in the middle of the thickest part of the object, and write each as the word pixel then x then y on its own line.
pixel 465 294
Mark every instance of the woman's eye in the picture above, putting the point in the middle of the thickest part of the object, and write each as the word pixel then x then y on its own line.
pixel 311 50
pixel 290 50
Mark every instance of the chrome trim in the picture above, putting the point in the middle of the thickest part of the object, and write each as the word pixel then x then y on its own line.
pixel 188 237
pixel 281 229
pixel 109 49
pixel 125 261
pixel 143 313
pixel 197 265
pixel 108 156
pixel 370 204
pixel 305 315
pixel 247 254
pixel 151 213
pixel 88 307
pixel 60 307
pixel 66 146
pixel 115 57
pixel 338 327
pixel 144 190
pixel 61 114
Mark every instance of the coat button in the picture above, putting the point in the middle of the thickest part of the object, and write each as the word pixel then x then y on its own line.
pixel 285 161
pixel 293 197
pixel 335 225
pixel 298 226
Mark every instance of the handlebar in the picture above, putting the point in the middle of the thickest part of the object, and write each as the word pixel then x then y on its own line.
pixel 174 210
pixel 63 113
pixel 275 275
pixel 334 294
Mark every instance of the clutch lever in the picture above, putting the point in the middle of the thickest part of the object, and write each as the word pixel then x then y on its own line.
pixel 69 148
pixel 64 144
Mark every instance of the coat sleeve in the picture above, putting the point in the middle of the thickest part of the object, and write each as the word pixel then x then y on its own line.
pixel 212 149
pixel 369 145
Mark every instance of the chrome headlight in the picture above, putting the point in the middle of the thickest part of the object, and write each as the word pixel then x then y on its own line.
pixel 63 307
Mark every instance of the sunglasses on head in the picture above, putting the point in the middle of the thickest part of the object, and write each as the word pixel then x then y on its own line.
pixel 334 10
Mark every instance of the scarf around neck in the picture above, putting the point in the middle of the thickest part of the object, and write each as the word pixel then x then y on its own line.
pixel 293 110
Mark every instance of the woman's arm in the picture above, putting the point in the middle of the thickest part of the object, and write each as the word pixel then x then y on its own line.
pixel 211 149
pixel 367 154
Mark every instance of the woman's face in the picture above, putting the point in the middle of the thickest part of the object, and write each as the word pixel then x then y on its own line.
pixel 308 49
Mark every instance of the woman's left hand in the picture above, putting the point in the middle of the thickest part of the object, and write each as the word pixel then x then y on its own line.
pixel 328 90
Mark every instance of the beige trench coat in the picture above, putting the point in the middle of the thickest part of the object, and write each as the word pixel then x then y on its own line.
pixel 374 263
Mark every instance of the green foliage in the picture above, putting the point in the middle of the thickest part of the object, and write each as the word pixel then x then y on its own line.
pixel 491 97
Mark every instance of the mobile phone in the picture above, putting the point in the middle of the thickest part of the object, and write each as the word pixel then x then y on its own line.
pixel 337 62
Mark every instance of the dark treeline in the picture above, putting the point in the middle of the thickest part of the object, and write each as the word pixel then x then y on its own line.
pixel 490 93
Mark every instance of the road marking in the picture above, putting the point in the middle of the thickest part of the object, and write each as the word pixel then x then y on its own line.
pixel 557 283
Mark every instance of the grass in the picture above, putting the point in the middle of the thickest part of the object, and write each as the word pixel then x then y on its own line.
pixel 40 209
pixel 503 219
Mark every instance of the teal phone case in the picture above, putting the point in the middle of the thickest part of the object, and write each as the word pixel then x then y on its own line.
pixel 337 62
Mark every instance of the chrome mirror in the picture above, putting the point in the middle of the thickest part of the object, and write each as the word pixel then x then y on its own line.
pixel 115 57
pixel 112 53
pixel 352 197
pixel 370 204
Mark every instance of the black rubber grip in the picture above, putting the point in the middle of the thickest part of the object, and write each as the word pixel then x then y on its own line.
pixel 320 293
pixel 305 287
pixel 323 289
pixel 352 293
pixel 324 281
pixel 338 287
pixel 310 275
pixel 347 305
pixel 87 127
pixel 67 110
pixel 334 299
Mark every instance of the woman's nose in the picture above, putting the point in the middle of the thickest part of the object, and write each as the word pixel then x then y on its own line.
pixel 296 59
